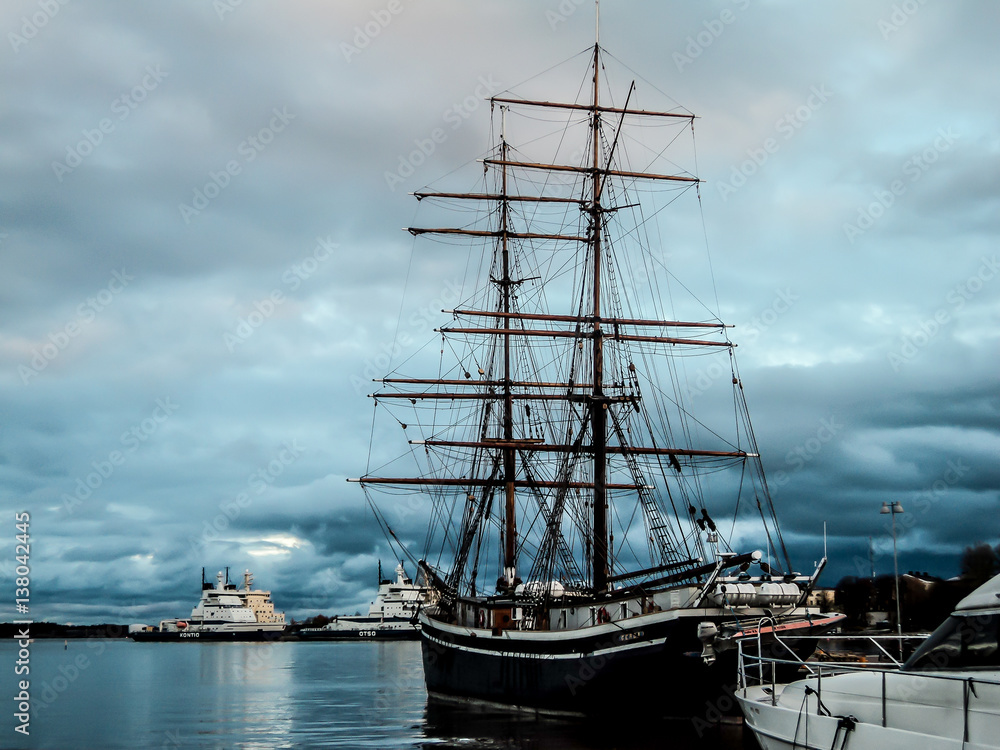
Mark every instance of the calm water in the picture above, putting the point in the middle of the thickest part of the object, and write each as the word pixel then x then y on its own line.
pixel 119 694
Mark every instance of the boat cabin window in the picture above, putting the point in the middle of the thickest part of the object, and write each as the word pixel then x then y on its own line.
pixel 962 642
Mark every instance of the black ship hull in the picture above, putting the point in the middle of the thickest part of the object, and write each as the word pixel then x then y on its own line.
pixel 651 667
pixel 400 634
pixel 213 636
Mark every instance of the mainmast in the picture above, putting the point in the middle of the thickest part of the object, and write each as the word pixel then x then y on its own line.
pixel 510 508
pixel 598 406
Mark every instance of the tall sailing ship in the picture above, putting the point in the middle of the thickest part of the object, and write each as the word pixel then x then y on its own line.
pixel 577 556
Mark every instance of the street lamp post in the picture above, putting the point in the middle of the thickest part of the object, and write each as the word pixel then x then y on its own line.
pixel 892 509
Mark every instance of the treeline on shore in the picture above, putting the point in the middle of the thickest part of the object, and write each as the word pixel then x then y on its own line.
pixel 55 630
pixel 925 600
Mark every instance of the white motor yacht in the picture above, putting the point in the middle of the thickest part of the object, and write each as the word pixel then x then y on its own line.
pixel 946 695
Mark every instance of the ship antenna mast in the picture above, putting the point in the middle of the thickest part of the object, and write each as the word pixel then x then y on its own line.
pixel 597 22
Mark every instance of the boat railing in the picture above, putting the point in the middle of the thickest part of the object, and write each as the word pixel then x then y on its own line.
pixel 767 668
pixel 792 657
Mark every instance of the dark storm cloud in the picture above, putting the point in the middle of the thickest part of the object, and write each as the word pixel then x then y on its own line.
pixel 205 210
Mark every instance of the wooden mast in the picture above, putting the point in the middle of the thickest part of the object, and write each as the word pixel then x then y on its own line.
pixel 598 405
pixel 510 508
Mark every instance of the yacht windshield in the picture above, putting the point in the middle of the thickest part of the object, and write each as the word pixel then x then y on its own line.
pixel 962 642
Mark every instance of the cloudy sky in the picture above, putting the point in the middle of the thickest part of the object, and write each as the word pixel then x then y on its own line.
pixel 200 212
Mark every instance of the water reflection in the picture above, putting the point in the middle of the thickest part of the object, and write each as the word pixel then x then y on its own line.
pixel 452 725
pixel 356 696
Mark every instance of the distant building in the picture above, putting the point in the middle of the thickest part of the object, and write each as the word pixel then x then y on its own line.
pixel 925 600
pixel 918 582
pixel 822 598
pixel 877 619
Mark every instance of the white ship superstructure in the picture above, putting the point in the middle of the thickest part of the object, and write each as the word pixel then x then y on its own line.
pixel 391 615
pixel 224 612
